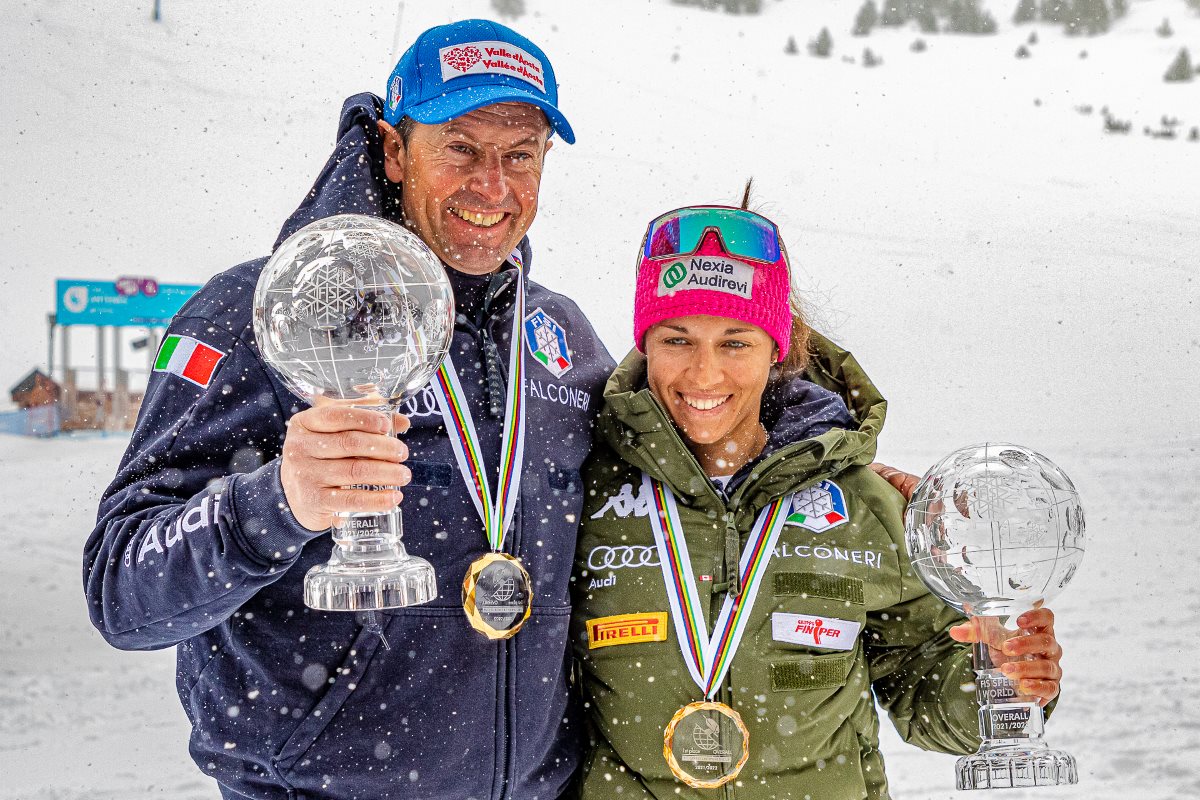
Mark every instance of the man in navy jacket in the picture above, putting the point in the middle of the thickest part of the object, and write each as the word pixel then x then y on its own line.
pixel 223 500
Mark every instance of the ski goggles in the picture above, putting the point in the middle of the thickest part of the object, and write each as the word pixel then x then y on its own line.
pixel 744 233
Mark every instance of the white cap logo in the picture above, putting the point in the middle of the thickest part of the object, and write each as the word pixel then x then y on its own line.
pixel 495 58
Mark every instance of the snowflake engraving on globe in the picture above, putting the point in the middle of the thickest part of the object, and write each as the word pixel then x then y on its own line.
pixel 329 294
pixel 354 307
pixel 995 529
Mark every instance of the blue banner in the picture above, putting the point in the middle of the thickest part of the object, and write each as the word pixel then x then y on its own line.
pixel 123 302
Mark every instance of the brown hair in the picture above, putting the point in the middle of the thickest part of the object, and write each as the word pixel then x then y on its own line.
pixel 798 355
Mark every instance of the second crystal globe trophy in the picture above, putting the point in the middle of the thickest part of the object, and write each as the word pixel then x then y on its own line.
pixel 995 530
pixel 356 310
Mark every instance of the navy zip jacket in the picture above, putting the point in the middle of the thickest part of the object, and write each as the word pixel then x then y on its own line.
pixel 195 547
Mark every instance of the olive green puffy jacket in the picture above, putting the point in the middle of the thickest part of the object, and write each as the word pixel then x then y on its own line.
pixel 809 709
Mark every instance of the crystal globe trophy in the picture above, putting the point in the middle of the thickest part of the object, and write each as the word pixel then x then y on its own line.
pixel 995 530
pixel 356 310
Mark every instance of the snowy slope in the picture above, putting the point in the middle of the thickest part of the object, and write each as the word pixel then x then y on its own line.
pixel 1001 267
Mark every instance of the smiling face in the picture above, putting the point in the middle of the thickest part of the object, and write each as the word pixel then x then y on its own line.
pixel 471 184
pixel 709 374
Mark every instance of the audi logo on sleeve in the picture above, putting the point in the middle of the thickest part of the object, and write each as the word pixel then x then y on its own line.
pixel 621 556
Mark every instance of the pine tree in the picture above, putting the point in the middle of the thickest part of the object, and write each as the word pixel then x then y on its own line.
pixel 822 46
pixel 1181 68
pixel 956 17
pixel 893 15
pixel 1120 8
pixel 866 19
pixel 987 23
pixel 1165 30
pixel 1091 17
pixel 870 59
pixel 1055 11
pixel 926 19
pixel 790 48
pixel 1022 52
pixel 1026 12
pixel 967 17
pixel 509 8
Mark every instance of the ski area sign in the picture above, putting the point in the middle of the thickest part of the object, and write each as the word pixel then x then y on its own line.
pixel 124 302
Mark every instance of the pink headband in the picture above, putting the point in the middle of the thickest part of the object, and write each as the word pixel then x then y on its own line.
pixel 714 283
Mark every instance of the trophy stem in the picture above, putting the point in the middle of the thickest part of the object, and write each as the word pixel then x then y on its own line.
pixel 369 568
pixel 1013 753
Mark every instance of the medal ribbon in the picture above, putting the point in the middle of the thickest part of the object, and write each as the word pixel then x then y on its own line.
pixel 460 426
pixel 708 657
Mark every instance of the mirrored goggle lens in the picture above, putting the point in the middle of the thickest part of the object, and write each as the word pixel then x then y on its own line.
pixel 745 234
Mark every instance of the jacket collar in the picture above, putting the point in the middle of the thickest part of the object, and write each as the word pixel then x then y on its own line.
pixel 639 429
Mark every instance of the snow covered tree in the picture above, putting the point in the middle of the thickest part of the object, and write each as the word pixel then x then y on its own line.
pixel 893 15
pixel 1181 67
pixel 869 58
pixel 926 19
pixel 1120 8
pixel 1089 16
pixel 790 48
pixel 918 46
pixel 1055 11
pixel 1026 12
pixel 1165 29
pixel 822 46
pixel 1022 52
pixel 966 16
pixel 868 15
pixel 509 8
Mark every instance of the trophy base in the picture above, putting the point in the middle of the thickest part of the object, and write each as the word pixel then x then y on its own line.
pixel 1016 767
pixel 365 586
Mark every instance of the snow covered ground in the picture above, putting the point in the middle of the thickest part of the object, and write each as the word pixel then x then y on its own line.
pixel 1002 268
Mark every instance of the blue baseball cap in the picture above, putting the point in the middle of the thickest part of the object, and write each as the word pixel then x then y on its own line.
pixel 456 68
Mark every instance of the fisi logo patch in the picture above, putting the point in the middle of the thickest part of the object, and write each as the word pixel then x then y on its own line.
pixel 819 508
pixel 547 342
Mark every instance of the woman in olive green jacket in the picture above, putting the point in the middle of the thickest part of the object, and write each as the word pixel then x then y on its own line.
pixel 729 491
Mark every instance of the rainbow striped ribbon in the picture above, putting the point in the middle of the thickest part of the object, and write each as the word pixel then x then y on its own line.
pixel 496 516
pixel 708 657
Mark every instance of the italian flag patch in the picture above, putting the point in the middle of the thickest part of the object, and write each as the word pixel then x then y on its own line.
pixel 190 359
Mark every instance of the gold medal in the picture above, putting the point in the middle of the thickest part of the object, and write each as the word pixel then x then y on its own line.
pixel 497 595
pixel 706 744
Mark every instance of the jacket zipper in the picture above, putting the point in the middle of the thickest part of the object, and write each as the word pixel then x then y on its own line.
pixel 733 553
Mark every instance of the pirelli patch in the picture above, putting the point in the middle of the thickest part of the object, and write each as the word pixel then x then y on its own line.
pixel 190 359
pixel 627 629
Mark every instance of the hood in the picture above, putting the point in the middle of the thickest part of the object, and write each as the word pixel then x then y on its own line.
pixel 806 437
pixel 353 181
